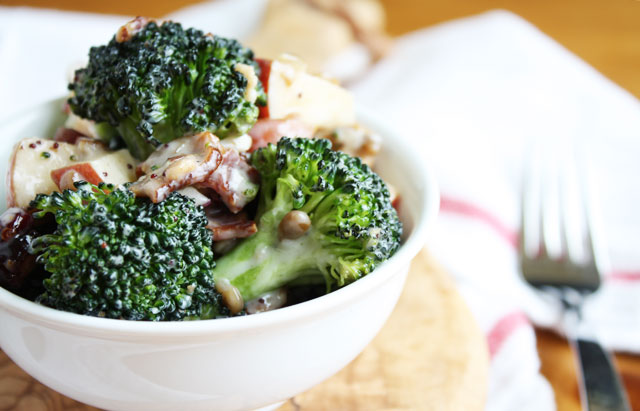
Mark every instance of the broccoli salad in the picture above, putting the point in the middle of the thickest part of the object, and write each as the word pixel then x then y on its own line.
pixel 194 181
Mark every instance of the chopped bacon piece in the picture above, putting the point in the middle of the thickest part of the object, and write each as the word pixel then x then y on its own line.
pixel 228 226
pixel 235 181
pixel 126 32
pixel 180 163
pixel 250 93
pixel 267 131
pixel 353 140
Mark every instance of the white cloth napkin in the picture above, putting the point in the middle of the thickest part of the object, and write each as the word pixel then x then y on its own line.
pixel 471 94
pixel 475 95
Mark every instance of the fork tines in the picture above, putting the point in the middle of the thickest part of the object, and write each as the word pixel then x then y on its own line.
pixel 560 234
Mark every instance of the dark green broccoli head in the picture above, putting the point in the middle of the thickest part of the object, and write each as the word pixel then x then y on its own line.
pixel 117 256
pixel 163 83
pixel 353 226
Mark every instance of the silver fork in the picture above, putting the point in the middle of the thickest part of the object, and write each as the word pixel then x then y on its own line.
pixel 561 254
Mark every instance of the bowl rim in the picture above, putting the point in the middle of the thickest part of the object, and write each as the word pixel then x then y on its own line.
pixel 117 329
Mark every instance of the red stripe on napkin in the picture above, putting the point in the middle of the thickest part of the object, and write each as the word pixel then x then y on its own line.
pixel 461 207
pixel 624 276
pixel 503 329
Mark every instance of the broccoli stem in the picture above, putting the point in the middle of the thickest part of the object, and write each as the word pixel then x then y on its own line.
pixel 264 263
pixel 138 147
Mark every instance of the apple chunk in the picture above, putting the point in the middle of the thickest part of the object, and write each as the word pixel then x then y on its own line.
pixel 294 93
pixel 114 168
pixel 33 160
pixel 30 166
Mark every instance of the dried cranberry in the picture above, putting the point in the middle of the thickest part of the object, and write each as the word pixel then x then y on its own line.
pixel 19 271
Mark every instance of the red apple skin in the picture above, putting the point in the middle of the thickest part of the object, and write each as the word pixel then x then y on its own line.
pixel 85 170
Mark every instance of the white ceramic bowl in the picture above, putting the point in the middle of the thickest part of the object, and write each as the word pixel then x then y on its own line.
pixel 228 364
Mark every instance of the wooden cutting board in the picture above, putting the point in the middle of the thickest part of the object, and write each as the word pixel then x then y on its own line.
pixel 429 355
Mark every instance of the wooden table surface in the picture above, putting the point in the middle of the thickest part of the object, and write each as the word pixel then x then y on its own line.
pixel 606 34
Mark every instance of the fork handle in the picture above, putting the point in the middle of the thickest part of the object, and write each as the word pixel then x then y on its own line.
pixel 602 388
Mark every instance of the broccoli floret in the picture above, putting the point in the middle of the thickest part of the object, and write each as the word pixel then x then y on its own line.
pixel 163 83
pixel 353 226
pixel 117 256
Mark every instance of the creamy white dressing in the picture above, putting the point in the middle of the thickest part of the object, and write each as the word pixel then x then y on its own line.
pixel 250 93
pixel 240 143
pixel 195 195
pixel 267 302
pixel 239 181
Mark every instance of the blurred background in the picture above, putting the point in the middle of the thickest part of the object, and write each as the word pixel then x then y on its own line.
pixel 605 34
